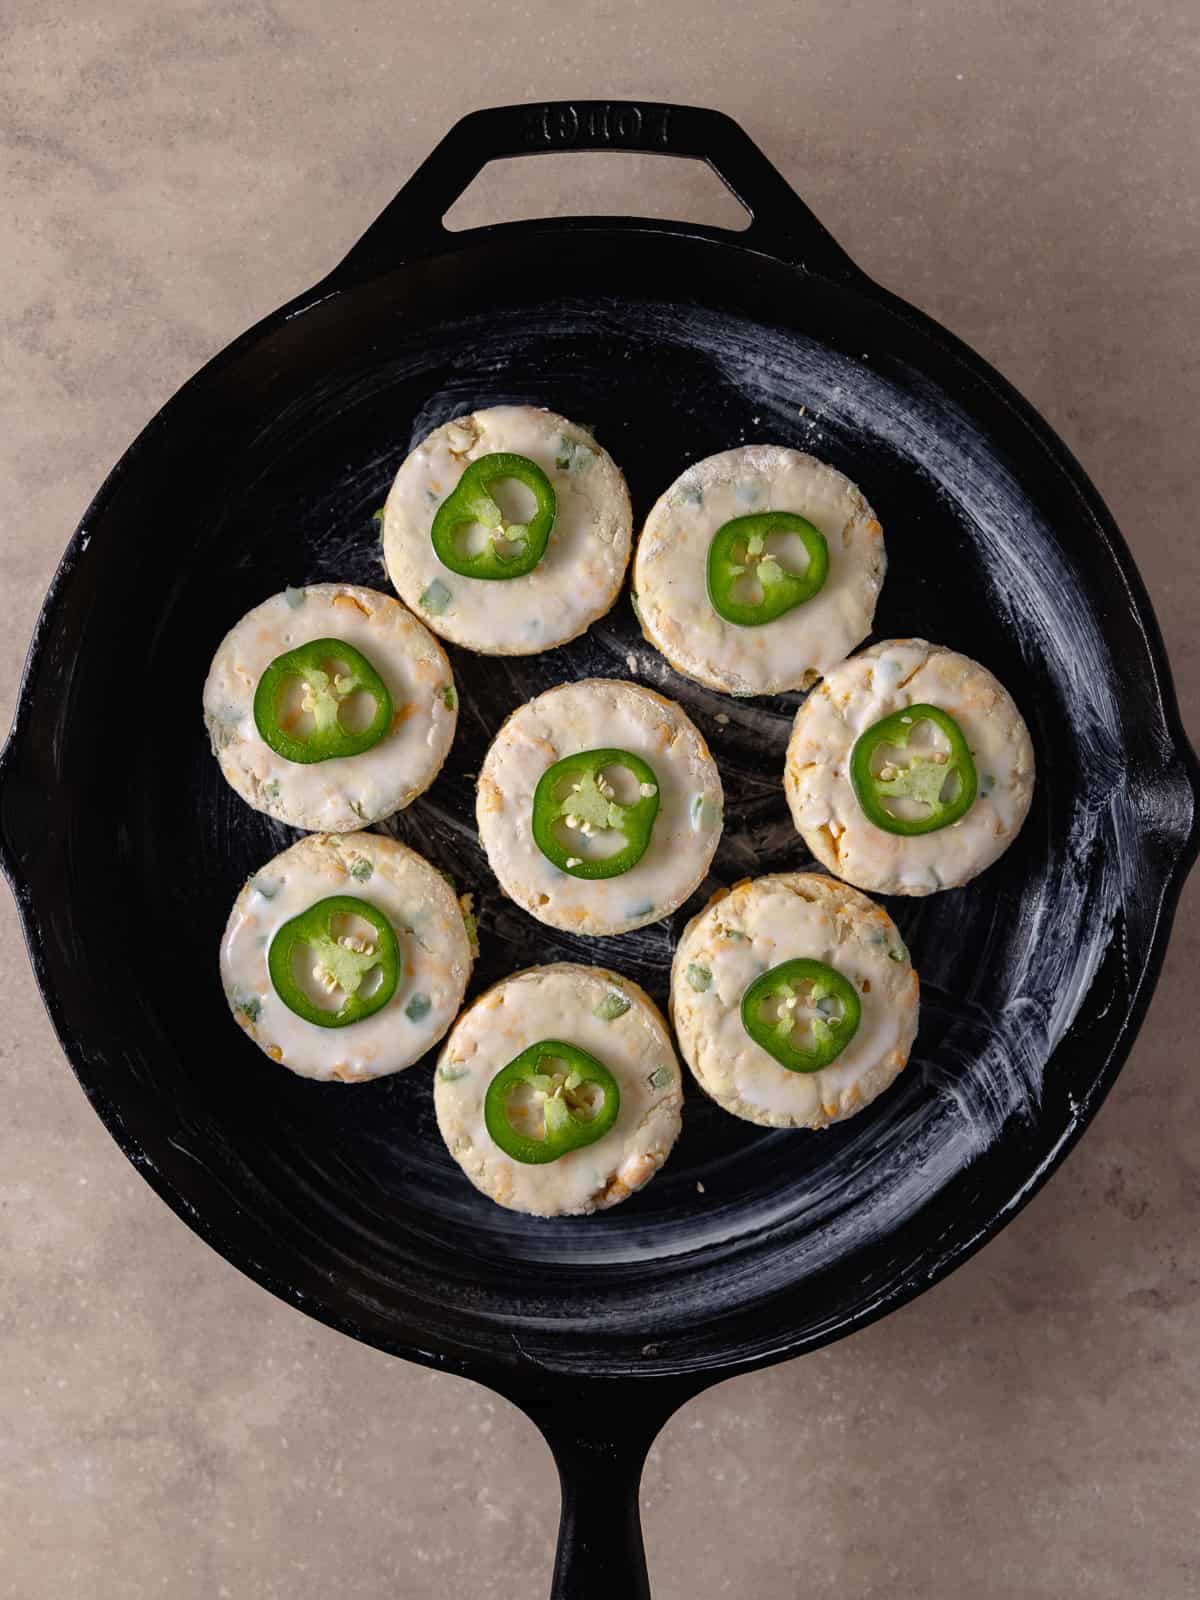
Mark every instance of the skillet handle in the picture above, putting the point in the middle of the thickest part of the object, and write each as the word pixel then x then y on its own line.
pixel 600 1550
pixel 600 1432
pixel 781 224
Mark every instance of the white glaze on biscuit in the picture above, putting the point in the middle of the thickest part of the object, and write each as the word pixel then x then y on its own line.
pixel 345 793
pixel 757 925
pixel 576 580
pixel 670 571
pixel 868 687
pixel 600 713
pixel 435 955
pixel 561 1002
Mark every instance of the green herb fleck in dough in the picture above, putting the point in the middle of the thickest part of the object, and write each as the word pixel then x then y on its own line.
pixel 270 791
pixel 451 1073
pixel 699 977
pixel 435 598
pixel 611 1006
pixel 734 934
pixel 251 1008
pixel 450 698
pixel 572 455
pixel 659 1078
pixel 295 597
pixel 696 810
pixel 987 782
pixel 361 870
pixel 223 726
pixel 900 954
pixel 643 910
pixel 470 923
pixel 419 1006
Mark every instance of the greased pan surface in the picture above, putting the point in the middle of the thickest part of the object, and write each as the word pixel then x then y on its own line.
pixel 126 847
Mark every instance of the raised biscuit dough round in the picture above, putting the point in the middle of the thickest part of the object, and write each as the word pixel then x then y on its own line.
pixel 572 1004
pixel 595 714
pixel 856 695
pixel 345 793
pixel 670 571
pixel 576 580
pixel 435 955
pixel 757 925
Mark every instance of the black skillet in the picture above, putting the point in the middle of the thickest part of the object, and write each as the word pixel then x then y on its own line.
pixel 125 848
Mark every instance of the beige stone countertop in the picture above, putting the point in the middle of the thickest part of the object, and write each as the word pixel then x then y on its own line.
pixel 171 170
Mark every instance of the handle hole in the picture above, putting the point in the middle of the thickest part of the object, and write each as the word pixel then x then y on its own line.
pixel 600 183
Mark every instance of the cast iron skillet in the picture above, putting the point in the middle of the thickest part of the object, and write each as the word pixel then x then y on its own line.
pixel 125 848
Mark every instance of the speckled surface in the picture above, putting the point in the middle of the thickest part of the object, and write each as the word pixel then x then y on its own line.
pixel 1030 1427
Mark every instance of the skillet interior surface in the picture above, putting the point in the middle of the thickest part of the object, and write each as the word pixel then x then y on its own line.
pixel 129 847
